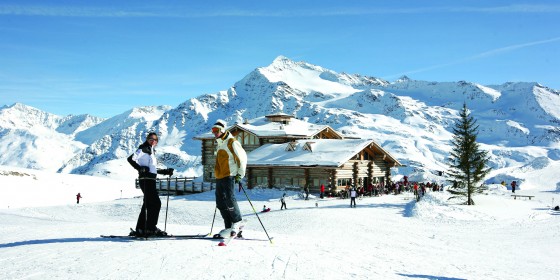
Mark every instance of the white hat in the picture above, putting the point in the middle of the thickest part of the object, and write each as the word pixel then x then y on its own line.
pixel 221 125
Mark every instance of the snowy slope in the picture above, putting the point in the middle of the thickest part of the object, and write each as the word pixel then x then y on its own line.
pixel 387 237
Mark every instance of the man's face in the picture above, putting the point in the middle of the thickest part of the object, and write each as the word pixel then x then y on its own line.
pixel 216 131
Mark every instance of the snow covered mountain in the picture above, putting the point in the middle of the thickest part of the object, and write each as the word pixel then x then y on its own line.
pixel 519 122
pixel 39 140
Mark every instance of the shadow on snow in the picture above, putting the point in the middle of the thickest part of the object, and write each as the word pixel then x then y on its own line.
pixel 431 277
pixel 63 240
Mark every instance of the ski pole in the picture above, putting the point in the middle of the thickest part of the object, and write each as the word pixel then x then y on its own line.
pixel 213 219
pixel 269 239
pixel 167 206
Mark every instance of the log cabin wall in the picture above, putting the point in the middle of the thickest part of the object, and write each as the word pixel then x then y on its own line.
pixel 288 177
pixel 318 176
pixel 208 159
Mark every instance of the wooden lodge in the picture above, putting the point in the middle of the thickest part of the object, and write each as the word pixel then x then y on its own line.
pixel 286 152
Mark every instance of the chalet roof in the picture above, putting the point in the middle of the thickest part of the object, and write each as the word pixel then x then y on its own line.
pixel 316 152
pixel 263 128
pixel 280 114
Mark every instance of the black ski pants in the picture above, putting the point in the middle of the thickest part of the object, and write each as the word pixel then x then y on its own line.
pixel 149 214
pixel 226 201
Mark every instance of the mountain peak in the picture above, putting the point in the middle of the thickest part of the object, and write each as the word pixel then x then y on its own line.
pixel 403 79
pixel 22 107
pixel 25 116
pixel 282 60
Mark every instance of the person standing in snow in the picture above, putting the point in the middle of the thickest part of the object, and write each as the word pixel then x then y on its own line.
pixel 283 201
pixel 513 185
pixel 353 194
pixel 145 162
pixel 306 190
pixel 78 196
pixel 231 163
pixel 322 190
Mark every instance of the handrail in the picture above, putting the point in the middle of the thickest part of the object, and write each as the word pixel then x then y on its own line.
pixel 180 186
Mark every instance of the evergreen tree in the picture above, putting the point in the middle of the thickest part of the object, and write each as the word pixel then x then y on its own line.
pixel 467 162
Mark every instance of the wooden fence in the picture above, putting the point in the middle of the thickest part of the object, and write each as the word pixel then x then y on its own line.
pixel 179 186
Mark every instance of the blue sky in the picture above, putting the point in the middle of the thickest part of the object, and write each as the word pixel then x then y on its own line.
pixel 105 57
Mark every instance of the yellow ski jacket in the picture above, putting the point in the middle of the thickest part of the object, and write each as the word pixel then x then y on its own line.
pixel 231 158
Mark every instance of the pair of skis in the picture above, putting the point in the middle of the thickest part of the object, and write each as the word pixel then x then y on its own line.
pixel 223 241
pixel 132 237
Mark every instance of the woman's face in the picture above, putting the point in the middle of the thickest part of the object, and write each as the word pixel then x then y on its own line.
pixel 153 140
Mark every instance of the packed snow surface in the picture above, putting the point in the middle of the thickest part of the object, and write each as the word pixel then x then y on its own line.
pixel 46 235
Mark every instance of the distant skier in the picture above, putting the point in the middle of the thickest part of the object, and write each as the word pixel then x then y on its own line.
pixel 322 190
pixel 306 190
pixel 283 201
pixel 353 194
pixel 78 196
pixel 513 185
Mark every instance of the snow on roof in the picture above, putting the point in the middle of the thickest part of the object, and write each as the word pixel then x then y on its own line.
pixel 325 152
pixel 261 127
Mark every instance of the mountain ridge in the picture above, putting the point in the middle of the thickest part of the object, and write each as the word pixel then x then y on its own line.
pixel 412 119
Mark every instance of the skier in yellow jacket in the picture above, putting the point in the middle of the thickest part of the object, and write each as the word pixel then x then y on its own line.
pixel 231 162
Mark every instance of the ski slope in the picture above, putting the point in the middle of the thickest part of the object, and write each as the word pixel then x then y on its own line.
pixel 387 237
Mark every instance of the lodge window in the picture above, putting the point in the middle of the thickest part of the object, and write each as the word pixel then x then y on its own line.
pixel 288 181
pixel 344 182
pixel 246 138
pixel 299 182
pixel 262 181
pixel 318 182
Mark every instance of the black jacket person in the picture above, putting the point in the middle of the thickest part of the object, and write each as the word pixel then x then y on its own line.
pixel 145 162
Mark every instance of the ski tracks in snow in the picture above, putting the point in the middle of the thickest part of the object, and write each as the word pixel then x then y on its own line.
pixel 281 266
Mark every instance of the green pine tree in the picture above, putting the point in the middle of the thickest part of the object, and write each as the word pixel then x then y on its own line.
pixel 467 162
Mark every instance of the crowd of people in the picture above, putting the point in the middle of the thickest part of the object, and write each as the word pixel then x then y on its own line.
pixel 379 189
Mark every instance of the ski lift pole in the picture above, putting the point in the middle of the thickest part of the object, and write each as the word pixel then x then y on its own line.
pixel 255 211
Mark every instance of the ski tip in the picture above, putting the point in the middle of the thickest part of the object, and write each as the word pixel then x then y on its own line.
pixel 222 244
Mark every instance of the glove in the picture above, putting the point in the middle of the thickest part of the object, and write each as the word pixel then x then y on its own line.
pixel 167 171
pixel 237 178
pixel 143 169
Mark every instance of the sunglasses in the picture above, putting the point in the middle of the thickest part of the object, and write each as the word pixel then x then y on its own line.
pixel 215 130
pixel 153 139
